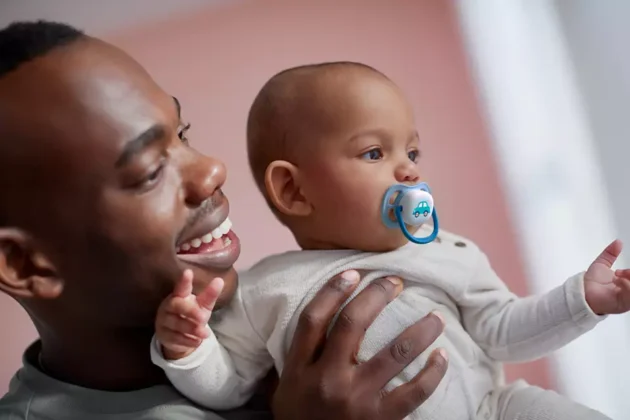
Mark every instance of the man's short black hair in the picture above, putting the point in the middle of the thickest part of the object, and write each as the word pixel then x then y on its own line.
pixel 23 41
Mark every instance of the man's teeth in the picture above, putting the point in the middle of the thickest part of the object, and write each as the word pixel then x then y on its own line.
pixel 217 233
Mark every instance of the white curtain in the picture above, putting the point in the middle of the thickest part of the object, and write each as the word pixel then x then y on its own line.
pixel 551 175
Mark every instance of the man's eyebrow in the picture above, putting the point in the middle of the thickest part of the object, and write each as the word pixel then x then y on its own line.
pixel 133 147
pixel 178 106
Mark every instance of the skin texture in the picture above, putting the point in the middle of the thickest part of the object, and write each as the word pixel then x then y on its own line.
pixel 349 134
pixel 88 236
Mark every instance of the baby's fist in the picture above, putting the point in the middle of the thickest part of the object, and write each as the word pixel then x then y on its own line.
pixel 182 318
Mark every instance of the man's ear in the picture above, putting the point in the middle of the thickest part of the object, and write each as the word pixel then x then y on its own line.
pixel 24 272
pixel 282 181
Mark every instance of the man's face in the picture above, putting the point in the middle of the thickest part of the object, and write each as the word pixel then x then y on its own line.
pixel 99 173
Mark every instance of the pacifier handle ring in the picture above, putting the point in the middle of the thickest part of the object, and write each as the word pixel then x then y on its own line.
pixel 409 236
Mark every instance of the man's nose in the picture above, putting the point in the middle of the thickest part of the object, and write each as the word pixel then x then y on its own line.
pixel 407 173
pixel 202 178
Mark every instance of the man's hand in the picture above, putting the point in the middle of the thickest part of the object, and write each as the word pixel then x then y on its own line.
pixel 607 291
pixel 322 378
pixel 182 319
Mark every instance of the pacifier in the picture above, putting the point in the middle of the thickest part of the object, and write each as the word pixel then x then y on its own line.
pixel 411 205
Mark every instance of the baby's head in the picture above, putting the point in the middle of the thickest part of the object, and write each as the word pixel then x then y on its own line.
pixel 325 142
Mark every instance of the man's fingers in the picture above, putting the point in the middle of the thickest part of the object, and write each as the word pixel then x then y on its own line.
pixel 610 254
pixel 401 401
pixel 391 360
pixel 183 288
pixel 347 333
pixel 208 297
pixel 313 322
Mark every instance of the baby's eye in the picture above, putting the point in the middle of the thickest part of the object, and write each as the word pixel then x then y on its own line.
pixel 414 155
pixel 374 154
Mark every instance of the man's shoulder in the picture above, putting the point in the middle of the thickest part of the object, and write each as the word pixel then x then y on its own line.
pixel 21 403
pixel 14 404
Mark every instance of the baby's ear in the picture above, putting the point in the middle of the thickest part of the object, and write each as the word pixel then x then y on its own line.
pixel 282 181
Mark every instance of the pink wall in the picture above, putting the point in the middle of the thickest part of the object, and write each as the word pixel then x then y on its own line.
pixel 215 62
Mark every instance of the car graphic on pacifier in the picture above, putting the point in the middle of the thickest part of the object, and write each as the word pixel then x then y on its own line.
pixel 422 208
pixel 410 205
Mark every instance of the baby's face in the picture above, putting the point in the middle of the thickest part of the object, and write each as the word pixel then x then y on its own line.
pixel 374 144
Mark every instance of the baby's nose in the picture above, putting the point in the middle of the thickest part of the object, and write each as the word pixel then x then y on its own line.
pixel 408 173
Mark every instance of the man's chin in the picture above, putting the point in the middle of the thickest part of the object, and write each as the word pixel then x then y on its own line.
pixel 230 283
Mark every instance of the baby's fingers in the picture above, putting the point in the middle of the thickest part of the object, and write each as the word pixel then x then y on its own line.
pixel 623 273
pixel 184 326
pixel 623 283
pixel 187 308
pixel 209 296
pixel 174 343
pixel 184 287
pixel 623 293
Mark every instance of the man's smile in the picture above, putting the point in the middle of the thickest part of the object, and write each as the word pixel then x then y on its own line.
pixel 210 242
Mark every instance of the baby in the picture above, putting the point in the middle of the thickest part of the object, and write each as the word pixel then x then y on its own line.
pixel 325 143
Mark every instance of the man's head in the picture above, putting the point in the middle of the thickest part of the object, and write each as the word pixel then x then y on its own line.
pixel 98 185
pixel 325 142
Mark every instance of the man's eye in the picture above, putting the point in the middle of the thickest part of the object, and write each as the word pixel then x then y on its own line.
pixel 373 154
pixel 155 175
pixel 150 180
pixel 182 133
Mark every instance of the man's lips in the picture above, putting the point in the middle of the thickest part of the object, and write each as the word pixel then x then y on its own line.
pixel 206 221
pixel 220 253
pixel 208 241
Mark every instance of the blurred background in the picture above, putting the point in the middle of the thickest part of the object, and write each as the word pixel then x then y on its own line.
pixel 520 106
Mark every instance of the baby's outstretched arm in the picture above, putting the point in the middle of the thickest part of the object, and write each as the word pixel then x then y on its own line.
pixel 513 329
pixel 194 361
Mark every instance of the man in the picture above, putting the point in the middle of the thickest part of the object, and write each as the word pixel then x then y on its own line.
pixel 98 189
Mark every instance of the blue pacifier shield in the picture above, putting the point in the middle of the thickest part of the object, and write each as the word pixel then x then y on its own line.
pixel 411 205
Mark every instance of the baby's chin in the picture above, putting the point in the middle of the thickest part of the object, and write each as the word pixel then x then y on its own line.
pixel 387 241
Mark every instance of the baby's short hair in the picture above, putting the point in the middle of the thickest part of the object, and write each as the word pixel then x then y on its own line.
pixel 278 111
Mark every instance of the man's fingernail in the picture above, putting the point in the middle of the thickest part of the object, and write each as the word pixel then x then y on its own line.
pixel 396 281
pixel 349 278
pixel 439 316
pixel 443 354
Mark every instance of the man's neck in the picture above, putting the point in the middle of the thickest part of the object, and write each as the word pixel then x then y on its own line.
pixel 105 361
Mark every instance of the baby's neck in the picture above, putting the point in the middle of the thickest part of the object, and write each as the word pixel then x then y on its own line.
pixel 309 244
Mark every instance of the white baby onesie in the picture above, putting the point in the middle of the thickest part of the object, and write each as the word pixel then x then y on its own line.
pixel 485 324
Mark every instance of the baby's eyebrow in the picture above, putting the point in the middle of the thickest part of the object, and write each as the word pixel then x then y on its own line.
pixel 376 132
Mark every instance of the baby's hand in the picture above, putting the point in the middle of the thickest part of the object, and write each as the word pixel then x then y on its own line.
pixel 182 319
pixel 607 291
